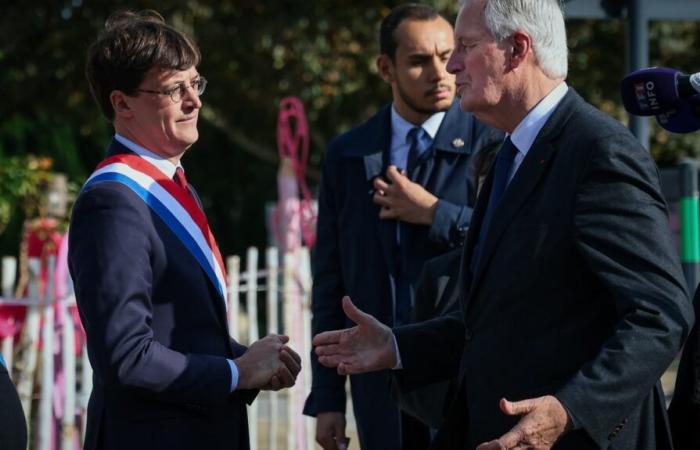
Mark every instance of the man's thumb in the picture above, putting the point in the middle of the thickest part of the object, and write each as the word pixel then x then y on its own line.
pixel 516 408
pixel 354 313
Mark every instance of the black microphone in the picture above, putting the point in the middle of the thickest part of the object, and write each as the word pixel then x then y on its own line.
pixel 656 90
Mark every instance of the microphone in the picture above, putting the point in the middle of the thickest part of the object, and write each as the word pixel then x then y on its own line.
pixel 657 90
pixel 684 119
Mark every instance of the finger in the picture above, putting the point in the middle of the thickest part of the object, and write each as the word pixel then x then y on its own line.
pixel 491 445
pixel 517 408
pixel 327 337
pixel 354 314
pixel 393 174
pixel 342 443
pixel 292 364
pixel 511 439
pixel 285 375
pixel 382 200
pixel 292 353
pixel 326 441
pixel 328 350
pixel 379 184
pixel 274 383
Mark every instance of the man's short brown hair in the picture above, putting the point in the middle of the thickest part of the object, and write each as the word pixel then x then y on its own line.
pixel 131 44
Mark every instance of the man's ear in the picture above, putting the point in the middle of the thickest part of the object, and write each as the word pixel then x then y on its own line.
pixel 522 46
pixel 385 67
pixel 120 104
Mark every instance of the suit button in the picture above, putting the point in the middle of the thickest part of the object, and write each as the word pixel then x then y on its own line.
pixel 468 334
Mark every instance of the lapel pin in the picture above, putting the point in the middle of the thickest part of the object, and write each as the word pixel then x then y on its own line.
pixel 542 162
pixel 458 143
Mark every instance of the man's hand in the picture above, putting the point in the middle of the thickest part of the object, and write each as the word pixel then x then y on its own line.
pixel 404 200
pixel 287 372
pixel 367 347
pixel 544 421
pixel 330 431
pixel 268 363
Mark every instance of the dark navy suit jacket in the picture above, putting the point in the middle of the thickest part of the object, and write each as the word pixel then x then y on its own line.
pixel 156 331
pixel 578 293
pixel 356 252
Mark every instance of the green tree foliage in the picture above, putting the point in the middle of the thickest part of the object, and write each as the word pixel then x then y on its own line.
pixel 255 53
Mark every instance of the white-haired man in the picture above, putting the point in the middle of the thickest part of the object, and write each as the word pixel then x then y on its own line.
pixel 573 301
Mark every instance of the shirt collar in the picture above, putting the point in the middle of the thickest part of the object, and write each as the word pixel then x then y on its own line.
pixel 163 164
pixel 400 126
pixel 527 130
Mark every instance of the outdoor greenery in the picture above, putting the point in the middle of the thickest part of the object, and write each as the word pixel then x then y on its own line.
pixel 255 53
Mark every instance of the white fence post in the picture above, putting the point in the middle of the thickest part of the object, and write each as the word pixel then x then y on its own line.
pixel 253 334
pixel 233 267
pixel 68 361
pixel 272 327
pixel 47 363
pixel 85 389
pixel 305 274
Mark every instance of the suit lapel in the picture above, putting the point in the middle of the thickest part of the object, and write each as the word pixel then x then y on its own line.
pixel 375 163
pixel 520 188
pixel 453 136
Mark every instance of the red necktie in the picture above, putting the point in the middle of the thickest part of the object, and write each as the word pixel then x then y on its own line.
pixel 179 178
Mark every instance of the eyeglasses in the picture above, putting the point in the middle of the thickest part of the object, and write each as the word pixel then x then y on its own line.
pixel 180 89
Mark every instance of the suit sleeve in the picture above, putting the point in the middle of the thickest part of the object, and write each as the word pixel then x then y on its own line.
pixel 451 221
pixel 430 350
pixel 328 388
pixel 111 265
pixel 621 230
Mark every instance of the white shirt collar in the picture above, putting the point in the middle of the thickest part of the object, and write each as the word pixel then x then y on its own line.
pixel 400 126
pixel 527 130
pixel 165 166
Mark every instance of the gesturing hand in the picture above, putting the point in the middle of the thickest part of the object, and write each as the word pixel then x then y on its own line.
pixel 364 348
pixel 544 421
pixel 402 199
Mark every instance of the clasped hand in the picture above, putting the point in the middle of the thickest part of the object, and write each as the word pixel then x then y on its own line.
pixel 402 199
pixel 268 364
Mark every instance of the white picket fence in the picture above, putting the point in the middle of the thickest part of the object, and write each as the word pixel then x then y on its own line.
pixel 55 399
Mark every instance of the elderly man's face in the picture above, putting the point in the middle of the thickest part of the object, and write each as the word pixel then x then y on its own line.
pixel 478 62
pixel 161 125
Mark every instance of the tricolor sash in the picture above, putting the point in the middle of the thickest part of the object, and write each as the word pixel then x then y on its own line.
pixel 173 204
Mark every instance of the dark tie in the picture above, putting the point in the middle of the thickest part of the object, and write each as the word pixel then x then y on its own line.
pixel 504 161
pixel 420 142
pixel 179 178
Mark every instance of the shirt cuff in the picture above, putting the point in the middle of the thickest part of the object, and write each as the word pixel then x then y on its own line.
pixel 234 374
pixel 398 365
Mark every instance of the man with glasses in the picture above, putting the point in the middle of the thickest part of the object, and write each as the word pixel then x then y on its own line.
pixel 149 279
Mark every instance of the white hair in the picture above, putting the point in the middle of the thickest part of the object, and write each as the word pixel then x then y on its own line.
pixel 543 20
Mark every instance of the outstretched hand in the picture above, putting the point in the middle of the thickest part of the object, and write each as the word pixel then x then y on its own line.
pixel 367 347
pixel 544 421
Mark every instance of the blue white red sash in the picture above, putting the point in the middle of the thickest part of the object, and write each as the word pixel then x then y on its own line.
pixel 173 204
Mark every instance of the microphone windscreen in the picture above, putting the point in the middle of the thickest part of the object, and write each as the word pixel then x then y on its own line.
pixel 649 92
pixel 684 119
